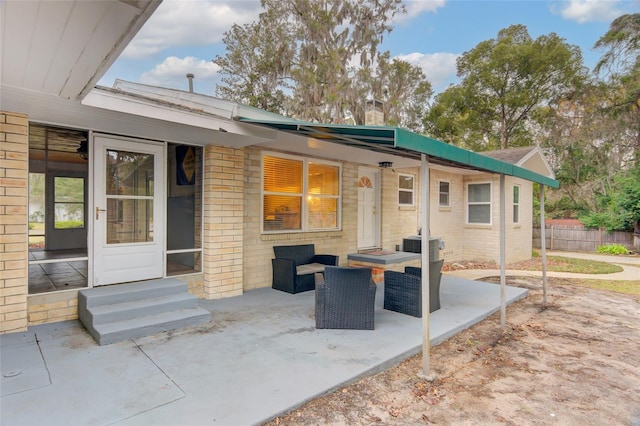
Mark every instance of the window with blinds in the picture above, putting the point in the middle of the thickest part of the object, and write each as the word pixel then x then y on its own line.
pixel 299 194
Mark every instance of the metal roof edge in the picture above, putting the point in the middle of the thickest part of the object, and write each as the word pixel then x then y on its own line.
pixel 410 141
pixel 433 147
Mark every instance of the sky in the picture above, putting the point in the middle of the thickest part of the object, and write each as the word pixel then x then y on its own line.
pixel 183 36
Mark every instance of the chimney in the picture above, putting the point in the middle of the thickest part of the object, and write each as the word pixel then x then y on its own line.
pixel 190 77
pixel 374 113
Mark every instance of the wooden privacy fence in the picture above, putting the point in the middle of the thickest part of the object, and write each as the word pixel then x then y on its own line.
pixel 576 238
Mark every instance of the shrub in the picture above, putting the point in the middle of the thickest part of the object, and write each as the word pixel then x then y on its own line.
pixel 613 249
pixel 69 224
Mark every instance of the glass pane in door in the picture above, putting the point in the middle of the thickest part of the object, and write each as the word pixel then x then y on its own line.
pixel 129 173
pixel 129 193
pixel 132 221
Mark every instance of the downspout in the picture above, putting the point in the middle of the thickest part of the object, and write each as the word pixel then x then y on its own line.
pixel 543 247
pixel 503 278
pixel 424 242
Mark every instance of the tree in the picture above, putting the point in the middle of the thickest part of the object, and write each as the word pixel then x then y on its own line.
pixel 256 67
pixel 620 207
pixel 621 61
pixel 318 60
pixel 503 81
pixel 401 87
pixel 404 90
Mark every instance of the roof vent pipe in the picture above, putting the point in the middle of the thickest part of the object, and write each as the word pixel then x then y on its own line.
pixel 190 77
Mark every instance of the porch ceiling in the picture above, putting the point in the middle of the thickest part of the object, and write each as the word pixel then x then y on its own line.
pixel 403 143
pixel 62 48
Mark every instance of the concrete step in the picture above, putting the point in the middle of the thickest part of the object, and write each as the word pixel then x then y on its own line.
pixel 135 328
pixel 131 291
pixel 139 308
pixel 133 310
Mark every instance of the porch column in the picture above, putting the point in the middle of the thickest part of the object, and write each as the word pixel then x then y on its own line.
pixel 223 222
pixel 424 241
pixel 543 247
pixel 14 232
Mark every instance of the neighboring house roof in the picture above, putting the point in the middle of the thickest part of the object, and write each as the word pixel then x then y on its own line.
pixel 63 48
pixel 528 157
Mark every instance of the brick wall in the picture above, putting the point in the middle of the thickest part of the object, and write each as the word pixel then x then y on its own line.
pixel 14 145
pixel 53 307
pixel 223 222
pixel 447 223
pixel 398 221
pixel 482 242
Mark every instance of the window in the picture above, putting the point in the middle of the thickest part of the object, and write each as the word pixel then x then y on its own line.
pixel 479 203
pixel 184 209
pixel 299 194
pixel 405 190
pixel 68 202
pixel 516 204
pixel 443 199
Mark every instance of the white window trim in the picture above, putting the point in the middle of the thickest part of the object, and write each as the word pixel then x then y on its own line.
pixel 516 222
pixel 304 214
pixel 412 190
pixel 467 203
pixel 449 194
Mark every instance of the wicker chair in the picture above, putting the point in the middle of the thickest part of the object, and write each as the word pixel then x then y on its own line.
pixel 346 299
pixel 294 267
pixel 403 291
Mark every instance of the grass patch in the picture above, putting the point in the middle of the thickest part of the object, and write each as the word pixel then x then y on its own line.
pixel 568 264
pixel 581 266
pixel 626 287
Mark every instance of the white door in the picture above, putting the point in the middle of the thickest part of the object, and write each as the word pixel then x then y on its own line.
pixel 368 217
pixel 128 210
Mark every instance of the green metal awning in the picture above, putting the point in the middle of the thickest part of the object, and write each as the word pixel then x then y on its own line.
pixel 404 143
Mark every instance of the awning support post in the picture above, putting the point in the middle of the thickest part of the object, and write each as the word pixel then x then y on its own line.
pixel 503 278
pixel 424 242
pixel 543 247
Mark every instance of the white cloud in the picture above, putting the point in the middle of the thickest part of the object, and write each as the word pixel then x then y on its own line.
pixel 584 11
pixel 440 68
pixel 416 7
pixel 190 22
pixel 172 73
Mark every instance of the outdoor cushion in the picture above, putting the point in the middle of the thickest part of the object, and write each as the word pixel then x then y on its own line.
pixel 311 268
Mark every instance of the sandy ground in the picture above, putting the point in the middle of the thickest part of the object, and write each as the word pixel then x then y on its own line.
pixel 574 362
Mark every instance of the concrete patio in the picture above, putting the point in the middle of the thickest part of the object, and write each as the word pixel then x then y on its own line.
pixel 259 356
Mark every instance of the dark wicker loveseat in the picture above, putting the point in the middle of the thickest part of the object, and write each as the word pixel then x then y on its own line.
pixel 294 267
pixel 346 299
pixel 403 291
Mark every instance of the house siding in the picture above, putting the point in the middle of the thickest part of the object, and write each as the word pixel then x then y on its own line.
pixel 446 222
pixel 223 222
pixel 482 242
pixel 236 256
pixel 14 246
pixel 398 221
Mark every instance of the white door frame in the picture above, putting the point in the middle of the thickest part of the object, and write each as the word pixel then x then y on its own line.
pixel 375 176
pixel 131 261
